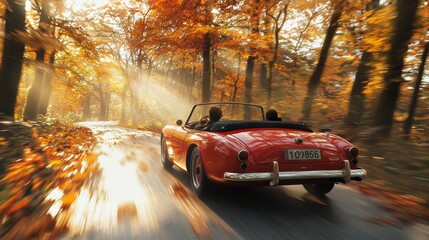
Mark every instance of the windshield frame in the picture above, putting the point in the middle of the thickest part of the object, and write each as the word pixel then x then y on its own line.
pixel 225 103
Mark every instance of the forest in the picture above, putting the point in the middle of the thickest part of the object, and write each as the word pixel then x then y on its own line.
pixel 358 63
pixel 353 67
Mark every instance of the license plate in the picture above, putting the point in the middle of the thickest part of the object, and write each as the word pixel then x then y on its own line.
pixel 302 154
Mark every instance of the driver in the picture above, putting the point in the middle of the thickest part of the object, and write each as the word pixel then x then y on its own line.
pixel 215 114
pixel 272 115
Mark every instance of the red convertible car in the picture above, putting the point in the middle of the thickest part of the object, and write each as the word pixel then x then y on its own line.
pixel 243 148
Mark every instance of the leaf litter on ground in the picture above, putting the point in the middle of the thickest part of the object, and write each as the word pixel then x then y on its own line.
pixel 34 161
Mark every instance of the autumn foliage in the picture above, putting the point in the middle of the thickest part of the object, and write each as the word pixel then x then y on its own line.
pixel 55 156
pixel 143 63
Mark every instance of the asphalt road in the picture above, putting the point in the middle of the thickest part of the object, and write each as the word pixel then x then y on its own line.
pixel 133 197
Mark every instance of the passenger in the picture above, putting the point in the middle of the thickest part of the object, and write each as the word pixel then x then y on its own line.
pixel 215 115
pixel 272 115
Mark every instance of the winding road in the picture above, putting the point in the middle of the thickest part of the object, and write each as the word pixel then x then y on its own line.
pixel 133 197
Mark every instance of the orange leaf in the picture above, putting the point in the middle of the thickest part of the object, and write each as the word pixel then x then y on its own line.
pixel 68 199
pixel 19 205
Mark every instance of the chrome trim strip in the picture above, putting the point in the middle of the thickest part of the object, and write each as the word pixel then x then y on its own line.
pixel 275 178
pixel 272 176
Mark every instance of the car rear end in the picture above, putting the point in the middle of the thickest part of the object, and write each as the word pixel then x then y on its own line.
pixel 276 156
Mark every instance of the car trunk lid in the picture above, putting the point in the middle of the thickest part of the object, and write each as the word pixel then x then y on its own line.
pixel 288 146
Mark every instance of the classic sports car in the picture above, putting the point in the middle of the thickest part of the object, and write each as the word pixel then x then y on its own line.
pixel 243 148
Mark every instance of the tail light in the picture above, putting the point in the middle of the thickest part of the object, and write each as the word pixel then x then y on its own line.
pixel 353 151
pixel 243 155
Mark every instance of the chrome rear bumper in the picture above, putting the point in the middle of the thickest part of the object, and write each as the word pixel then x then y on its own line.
pixel 346 174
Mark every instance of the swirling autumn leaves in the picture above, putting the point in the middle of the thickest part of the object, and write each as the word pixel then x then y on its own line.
pixel 53 157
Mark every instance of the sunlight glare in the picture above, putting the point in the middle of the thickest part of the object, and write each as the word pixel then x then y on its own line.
pixel 55 196
pixel 162 102
pixel 116 197
pixel 79 5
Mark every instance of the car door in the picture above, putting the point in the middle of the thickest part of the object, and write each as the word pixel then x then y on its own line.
pixel 178 143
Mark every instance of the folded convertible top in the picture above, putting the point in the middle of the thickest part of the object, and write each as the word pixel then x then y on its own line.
pixel 224 126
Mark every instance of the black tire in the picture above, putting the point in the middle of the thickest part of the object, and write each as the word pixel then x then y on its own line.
pixel 164 155
pixel 319 190
pixel 199 180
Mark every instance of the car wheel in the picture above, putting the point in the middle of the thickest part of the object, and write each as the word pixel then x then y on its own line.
pixel 319 189
pixel 164 155
pixel 199 181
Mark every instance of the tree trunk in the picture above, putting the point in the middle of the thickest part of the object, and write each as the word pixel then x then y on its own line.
pixel 279 22
pixel 136 109
pixel 41 83
pixel 87 108
pixel 181 88
pixel 102 114
pixel 263 76
pixel 270 83
pixel 12 58
pixel 402 32
pixel 132 103
pixel 318 71
pixel 266 30
pixel 103 105
pixel 149 71
pixel 191 85
pixel 141 90
pixel 248 84
pixel 356 102
pixel 123 119
pixel 33 98
pixel 206 68
pixel 168 72
pixel 107 100
pixel 250 65
pixel 234 93
pixel 409 121
pixel 47 87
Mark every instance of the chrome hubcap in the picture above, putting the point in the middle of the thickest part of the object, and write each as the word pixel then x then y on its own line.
pixel 196 171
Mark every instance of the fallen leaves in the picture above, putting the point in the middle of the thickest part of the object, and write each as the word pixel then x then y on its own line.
pixel 31 227
pixel 41 159
pixel 18 205
pixel 196 218
pixel 144 167
pixel 3 141
pixel 68 199
pixel 398 173
pixel 180 192
pixel 126 211
pixel 404 208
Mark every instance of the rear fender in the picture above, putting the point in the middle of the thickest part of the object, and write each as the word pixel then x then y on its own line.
pixel 343 147
pixel 219 154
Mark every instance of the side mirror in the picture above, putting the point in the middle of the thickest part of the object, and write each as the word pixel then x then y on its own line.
pixel 179 122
